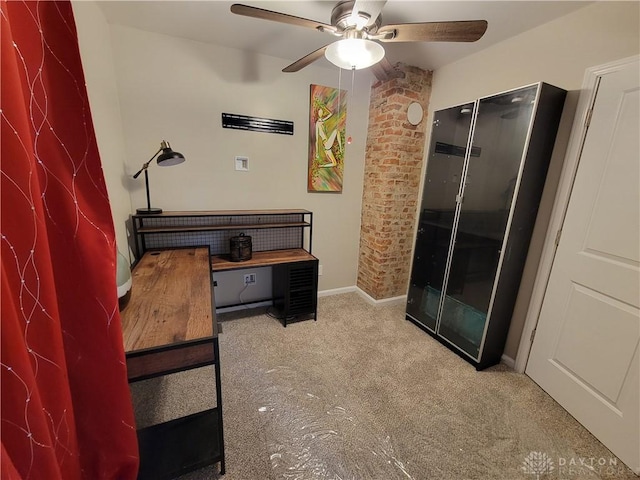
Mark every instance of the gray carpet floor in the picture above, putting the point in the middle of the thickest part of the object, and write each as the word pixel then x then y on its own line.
pixel 364 394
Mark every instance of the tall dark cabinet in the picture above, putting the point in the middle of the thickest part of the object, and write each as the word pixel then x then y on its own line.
pixel 486 169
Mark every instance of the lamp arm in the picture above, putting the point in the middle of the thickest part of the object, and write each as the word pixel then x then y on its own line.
pixel 146 165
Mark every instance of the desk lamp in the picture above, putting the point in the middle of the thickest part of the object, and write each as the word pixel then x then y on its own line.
pixel 166 159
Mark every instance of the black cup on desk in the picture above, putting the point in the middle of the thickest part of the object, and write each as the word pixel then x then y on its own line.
pixel 240 248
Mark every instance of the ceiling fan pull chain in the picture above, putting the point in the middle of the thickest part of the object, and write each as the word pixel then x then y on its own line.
pixel 339 93
pixel 351 97
pixel 353 76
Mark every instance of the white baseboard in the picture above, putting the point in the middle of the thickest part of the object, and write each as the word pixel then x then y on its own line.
pixel 336 291
pixel 368 298
pixel 324 293
pixel 385 301
pixel 508 361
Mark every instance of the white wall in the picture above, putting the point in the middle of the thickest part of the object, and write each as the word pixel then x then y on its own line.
pixel 97 59
pixel 558 53
pixel 176 89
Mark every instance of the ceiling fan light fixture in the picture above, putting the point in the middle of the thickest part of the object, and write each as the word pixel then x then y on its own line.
pixel 354 53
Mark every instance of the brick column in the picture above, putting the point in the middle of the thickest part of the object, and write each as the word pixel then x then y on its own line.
pixel 393 166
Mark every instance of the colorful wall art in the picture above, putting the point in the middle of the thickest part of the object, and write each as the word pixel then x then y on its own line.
pixel 327 124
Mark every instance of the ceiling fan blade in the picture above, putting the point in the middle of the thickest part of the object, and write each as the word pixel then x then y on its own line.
pixel 255 12
pixel 306 60
pixel 373 8
pixel 463 31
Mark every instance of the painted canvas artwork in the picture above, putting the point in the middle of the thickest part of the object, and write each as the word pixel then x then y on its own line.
pixel 327 124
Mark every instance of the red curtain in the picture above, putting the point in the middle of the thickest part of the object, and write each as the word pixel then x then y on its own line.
pixel 66 410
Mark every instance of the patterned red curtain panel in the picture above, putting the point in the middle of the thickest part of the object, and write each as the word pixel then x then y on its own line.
pixel 66 411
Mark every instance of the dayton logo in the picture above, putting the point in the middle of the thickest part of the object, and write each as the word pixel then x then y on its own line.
pixel 537 463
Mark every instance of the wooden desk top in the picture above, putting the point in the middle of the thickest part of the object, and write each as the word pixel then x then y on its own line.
pixel 171 300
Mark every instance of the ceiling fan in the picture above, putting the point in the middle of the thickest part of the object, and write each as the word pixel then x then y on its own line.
pixel 359 24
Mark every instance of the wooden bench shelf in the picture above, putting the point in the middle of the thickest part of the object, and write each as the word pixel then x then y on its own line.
pixel 222 263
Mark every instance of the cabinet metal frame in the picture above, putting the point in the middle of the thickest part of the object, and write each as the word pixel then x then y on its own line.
pixel 536 152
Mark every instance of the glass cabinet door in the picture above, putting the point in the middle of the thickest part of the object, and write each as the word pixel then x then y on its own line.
pixel 499 138
pixel 449 139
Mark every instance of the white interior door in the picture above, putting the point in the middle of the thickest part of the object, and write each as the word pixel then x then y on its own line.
pixel 586 348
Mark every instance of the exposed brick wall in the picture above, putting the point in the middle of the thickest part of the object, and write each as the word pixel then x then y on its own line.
pixel 393 166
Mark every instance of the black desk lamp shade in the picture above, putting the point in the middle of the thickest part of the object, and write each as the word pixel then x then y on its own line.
pixel 166 159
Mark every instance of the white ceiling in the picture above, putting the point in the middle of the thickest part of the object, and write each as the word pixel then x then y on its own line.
pixel 212 22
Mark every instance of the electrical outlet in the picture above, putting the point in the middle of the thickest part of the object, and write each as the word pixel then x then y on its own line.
pixel 319 270
pixel 250 279
pixel 242 164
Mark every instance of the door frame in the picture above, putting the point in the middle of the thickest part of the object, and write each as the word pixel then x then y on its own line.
pixel 561 202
